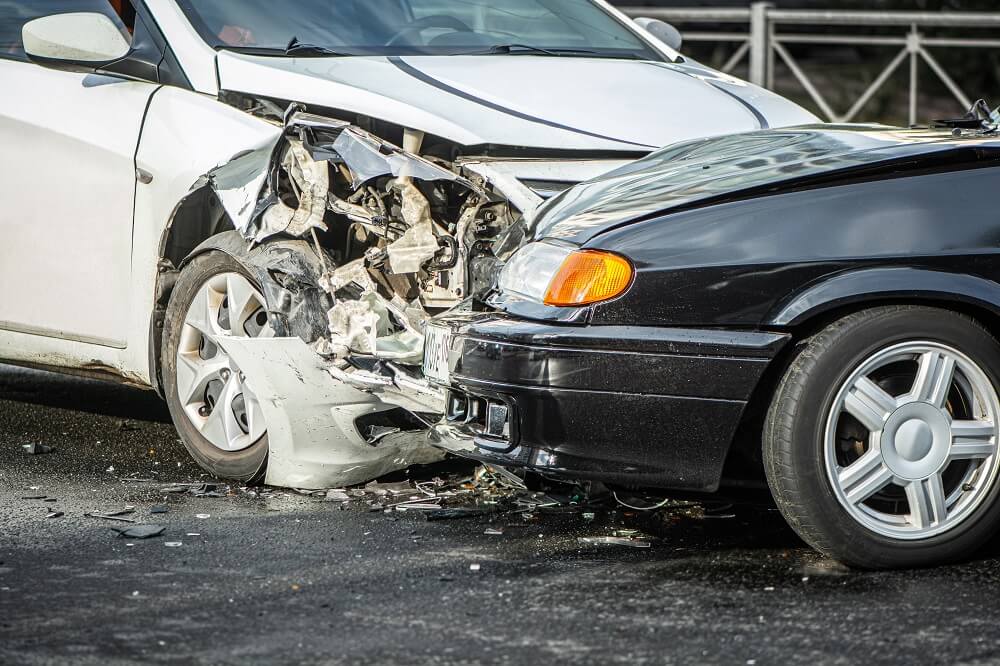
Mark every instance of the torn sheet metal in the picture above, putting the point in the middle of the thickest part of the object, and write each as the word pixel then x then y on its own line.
pixel 369 157
pixel 239 182
pixel 313 442
pixel 311 180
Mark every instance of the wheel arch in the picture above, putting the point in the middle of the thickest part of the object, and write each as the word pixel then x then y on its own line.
pixel 287 270
pixel 819 305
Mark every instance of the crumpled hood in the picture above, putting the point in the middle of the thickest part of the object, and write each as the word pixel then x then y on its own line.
pixel 557 103
pixel 704 171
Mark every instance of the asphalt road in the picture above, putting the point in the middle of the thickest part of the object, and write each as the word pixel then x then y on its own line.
pixel 286 578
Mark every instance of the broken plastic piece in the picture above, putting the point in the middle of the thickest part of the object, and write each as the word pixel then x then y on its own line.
pixel 615 541
pixel 37 449
pixel 140 531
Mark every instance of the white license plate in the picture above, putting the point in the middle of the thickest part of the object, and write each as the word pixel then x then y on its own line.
pixel 437 345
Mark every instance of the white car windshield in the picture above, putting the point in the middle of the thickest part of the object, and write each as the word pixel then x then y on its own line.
pixel 411 27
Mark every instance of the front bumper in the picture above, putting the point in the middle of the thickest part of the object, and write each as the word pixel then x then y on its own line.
pixel 639 406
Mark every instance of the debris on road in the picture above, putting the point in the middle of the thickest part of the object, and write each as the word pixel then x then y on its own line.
pixel 173 544
pixel 630 541
pixel 159 508
pixel 114 515
pixel 55 514
pixel 140 531
pixel 336 495
pixel 37 449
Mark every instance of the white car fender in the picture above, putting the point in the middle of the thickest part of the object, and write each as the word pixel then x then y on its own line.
pixel 184 137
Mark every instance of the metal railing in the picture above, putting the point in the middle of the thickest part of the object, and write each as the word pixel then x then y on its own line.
pixel 766 39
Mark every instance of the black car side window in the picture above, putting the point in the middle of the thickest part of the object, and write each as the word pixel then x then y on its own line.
pixel 15 13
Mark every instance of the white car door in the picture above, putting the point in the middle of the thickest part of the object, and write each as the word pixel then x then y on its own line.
pixel 67 183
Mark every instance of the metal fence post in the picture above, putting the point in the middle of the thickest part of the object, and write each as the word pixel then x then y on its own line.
pixel 760 42
pixel 913 46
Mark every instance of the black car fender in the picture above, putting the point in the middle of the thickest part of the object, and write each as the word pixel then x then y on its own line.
pixel 878 285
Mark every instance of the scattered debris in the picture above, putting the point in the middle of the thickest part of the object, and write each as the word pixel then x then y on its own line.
pixel 140 531
pixel 159 508
pixel 37 449
pixel 474 567
pixel 382 489
pixel 34 497
pixel 202 516
pixel 127 426
pixel 173 544
pixel 492 531
pixel 336 495
pixel 104 516
pixel 616 541
pixel 461 512
pixel 55 514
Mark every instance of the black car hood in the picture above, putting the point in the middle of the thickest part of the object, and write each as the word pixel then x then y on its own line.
pixel 706 171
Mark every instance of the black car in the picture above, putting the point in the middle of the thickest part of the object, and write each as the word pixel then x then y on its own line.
pixel 815 306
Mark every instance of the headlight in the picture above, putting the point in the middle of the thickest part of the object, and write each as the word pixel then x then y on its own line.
pixel 562 276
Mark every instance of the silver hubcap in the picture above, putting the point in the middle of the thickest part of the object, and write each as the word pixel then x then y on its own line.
pixel 911 440
pixel 211 388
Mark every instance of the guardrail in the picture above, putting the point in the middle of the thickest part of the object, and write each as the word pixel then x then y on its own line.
pixel 764 42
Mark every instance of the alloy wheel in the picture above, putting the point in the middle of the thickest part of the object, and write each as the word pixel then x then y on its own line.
pixel 911 440
pixel 211 388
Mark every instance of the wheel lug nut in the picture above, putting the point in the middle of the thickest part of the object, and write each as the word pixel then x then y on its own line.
pixel 204 411
pixel 225 375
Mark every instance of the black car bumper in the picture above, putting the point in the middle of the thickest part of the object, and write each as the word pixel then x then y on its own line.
pixel 647 407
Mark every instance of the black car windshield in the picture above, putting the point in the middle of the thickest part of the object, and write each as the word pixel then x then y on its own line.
pixel 412 27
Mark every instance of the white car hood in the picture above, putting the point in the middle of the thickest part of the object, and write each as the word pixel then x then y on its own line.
pixel 534 102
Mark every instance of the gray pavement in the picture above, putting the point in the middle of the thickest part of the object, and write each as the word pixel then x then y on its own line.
pixel 287 578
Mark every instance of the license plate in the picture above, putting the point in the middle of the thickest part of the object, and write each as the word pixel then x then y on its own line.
pixel 437 345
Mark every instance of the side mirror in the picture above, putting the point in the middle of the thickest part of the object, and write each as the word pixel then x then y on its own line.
pixel 80 41
pixel 663 31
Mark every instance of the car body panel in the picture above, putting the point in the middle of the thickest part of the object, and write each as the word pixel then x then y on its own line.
pixel 704 170
pixel 733 264
pixel 69 141
pixel 567 103
pixel 653 407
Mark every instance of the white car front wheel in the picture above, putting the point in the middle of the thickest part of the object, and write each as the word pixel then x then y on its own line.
pixel 211 401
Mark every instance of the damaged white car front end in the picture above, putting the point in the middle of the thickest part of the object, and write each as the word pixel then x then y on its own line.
pixel 395 238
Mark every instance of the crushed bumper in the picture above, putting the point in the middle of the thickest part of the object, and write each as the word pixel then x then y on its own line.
pixel 650 407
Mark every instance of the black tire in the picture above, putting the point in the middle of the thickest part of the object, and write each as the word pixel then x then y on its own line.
pixel 248 465
pixel 795 426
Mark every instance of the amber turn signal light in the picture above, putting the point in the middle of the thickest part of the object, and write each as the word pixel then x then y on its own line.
pixel 589 276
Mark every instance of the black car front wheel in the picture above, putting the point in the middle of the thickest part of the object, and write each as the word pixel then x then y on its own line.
pixel 881 442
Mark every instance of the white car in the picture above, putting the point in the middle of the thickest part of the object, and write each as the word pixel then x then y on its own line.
pixel 254 207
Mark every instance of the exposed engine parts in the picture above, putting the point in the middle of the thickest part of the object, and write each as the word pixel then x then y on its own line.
pixel 402 236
